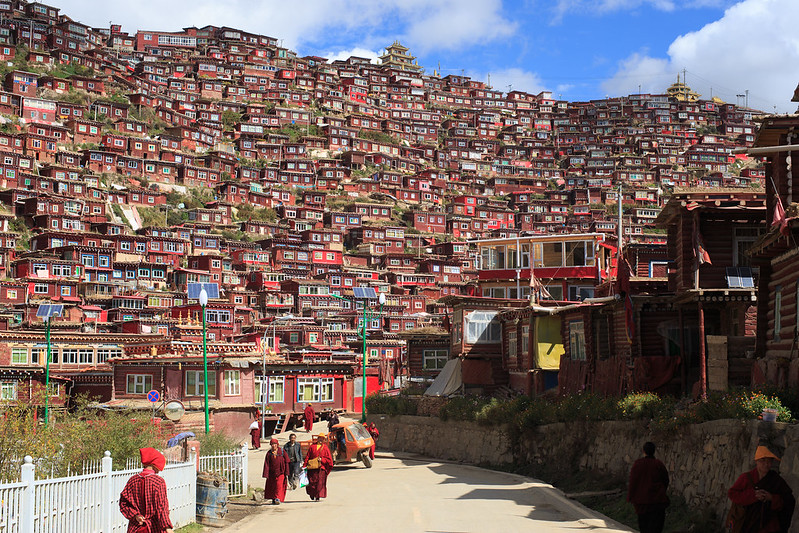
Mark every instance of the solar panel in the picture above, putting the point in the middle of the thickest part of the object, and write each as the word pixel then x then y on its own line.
pixel 740 278
pixel 364 292
pixel 194 290
pixel 48 310
pixel 733 279
pixel 747 281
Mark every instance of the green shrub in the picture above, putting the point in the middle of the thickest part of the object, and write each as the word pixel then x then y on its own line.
pixel 463 408
pixel 538 413
pixel 586 406
pixel 502 412
pixel 645 405
pixel 753 403
pixel 217 443
pixel 390 405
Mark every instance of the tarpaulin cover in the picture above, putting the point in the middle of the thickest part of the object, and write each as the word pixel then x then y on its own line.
pixel 174 441
pixel 448 380
pixel 549 342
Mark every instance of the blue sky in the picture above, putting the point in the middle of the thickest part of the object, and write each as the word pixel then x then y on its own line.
pixel 578 49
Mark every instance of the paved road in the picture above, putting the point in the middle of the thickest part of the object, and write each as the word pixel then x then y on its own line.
pixel 408 494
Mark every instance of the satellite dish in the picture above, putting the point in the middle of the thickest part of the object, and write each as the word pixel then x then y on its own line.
pixel 174 410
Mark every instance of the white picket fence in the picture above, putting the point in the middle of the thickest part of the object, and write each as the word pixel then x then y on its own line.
pixel 87 503
pixel 232 466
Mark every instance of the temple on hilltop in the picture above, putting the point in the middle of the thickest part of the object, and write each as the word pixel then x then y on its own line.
pixel 397 56
pixel 682 92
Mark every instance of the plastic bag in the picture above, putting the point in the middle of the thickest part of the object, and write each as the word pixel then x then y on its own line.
pixel 303 478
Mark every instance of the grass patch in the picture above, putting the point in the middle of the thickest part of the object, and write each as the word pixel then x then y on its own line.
pixel 191 528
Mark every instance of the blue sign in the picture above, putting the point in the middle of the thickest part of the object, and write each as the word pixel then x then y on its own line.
pixel 153 396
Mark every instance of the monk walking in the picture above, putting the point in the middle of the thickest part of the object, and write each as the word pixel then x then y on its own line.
pixel 319 463
pixel 308 414
pixel 255 433
pixel 276 470
pixel 375 433
pixel 143 500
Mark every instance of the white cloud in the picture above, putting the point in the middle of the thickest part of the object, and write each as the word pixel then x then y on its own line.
pixel 518 79
pixel 754 47
pixel 421 24
pixel 562 8
pixel 451 24
pixel 357 52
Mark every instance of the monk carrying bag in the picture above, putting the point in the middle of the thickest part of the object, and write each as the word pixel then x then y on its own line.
pixel 735 519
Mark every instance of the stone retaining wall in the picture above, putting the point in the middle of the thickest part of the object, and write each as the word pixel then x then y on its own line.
pixel 703 460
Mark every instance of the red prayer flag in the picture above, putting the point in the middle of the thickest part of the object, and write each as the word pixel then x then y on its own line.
pixel 780 219
pixel 699 248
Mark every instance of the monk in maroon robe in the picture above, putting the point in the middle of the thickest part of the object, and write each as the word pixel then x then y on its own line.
pixel 276 471
pixel 308 414
pixel 255 433
pixel 318 454
pixel 375 433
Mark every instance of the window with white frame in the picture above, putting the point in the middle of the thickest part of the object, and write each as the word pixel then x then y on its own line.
pixel 277 389
pixel 139 383
pixel 19 356
pixel 482 327
pixel 195 385
pixel 104 354
pixel 434 359
pixel 307 389
pixel 85 355
pixel 69 356
pixel 326 390
pixel 232 382
pixel 8 390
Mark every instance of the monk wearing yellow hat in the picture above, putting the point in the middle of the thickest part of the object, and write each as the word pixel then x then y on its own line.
pixel 762 501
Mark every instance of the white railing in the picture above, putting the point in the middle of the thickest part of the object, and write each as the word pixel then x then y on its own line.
pixel 87 503
pixel 232 466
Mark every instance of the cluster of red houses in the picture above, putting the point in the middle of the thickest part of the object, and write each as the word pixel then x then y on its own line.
pixel 134 165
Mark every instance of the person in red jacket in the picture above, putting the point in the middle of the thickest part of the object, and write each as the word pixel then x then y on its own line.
pixel 276 471
pixel 143 500
pixel 308 415
pixel 649 480
pixel 319 463
pixel 767 499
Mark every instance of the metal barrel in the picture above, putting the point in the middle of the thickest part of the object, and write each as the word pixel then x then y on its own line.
pixel 212 495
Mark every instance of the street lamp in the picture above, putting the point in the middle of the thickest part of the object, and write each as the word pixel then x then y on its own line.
pixel 382 300
pixel 46 312
pixel 203 302
pixel 264 379
pixel 47 320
